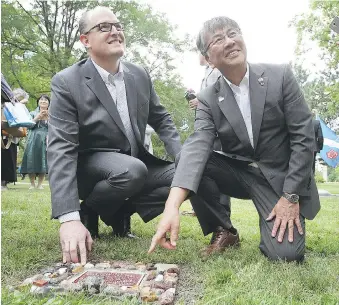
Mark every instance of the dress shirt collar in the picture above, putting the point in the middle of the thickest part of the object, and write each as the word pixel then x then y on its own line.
pixel 245 81
pixel 106 76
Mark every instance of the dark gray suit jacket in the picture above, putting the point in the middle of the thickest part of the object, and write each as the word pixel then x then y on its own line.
pixel 282 133
pixel 83 118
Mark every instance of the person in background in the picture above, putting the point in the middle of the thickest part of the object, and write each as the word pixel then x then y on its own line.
pixel 21 95
pixel 34 162
pixel 8 139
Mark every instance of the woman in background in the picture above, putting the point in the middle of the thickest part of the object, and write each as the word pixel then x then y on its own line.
pixel 34 161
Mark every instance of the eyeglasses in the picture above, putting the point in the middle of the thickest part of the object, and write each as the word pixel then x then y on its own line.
pixel 107 27
pixel 231 34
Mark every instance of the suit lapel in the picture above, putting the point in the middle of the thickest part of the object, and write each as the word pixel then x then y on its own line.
pixel 132 101
pixel 258 89
pixel 229 107
pixel 97 85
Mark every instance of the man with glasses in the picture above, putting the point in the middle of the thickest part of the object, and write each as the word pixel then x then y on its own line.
pixel 99 110
pixel 265 128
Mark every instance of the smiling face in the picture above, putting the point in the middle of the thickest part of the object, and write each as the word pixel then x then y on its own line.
pixel 43 103
pixel 226 49
pixel 103 45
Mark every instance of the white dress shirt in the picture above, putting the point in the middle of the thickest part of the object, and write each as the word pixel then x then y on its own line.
pixel 242 96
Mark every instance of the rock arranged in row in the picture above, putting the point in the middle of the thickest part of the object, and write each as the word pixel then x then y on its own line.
pixel 150 282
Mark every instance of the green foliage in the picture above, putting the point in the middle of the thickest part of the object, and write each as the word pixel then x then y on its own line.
pixel 171 94
pixel 322 92
pixel 42 39
pixel 319 177
pixel 333 175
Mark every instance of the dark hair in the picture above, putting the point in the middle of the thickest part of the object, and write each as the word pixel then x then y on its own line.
pixel 210 27
pixel 45 97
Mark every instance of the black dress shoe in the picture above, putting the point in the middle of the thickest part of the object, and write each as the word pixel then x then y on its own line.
pixel 122 226
pixel 90 219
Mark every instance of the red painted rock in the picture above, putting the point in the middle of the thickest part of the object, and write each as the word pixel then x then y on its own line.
pixel 40 283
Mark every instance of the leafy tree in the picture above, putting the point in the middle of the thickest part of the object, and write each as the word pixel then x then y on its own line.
pixel 322 91
pixel 42 38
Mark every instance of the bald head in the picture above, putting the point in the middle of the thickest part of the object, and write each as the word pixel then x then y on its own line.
pixel 88 16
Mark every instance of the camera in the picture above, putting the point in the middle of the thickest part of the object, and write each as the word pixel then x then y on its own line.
pixel 189 95
pixel 335 25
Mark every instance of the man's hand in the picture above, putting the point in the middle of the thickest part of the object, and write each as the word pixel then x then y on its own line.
pixel 169 223
pixel 73 234
pixel 285 213
pixel 193 103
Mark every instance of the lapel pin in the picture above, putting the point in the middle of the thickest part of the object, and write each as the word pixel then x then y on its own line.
pixel 220 99
pixel 261 81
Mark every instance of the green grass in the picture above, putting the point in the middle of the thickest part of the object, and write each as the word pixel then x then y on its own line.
pixel 239 276
pixel 332 187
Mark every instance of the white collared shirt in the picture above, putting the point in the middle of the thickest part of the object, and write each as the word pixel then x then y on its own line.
pixel 109 79
pixel 242 96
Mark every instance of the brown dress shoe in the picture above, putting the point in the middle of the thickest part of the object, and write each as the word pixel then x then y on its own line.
pixel 221 240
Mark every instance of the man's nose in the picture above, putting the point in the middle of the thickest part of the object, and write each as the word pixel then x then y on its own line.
pixel 229 42
pixel 114 30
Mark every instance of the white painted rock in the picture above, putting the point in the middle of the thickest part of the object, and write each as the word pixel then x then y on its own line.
pixel 159 278
pixel 89 266
pixel 103 265
pixel 62 270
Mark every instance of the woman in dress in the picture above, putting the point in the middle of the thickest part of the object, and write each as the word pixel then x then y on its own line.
pixel 34 162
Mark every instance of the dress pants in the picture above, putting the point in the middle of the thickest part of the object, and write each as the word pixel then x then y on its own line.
pixel 240 180
pixel 110 180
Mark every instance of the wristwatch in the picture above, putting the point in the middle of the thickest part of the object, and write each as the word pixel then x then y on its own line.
pixel 293 198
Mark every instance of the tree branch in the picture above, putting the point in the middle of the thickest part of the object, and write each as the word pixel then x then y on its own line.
pixel 31 17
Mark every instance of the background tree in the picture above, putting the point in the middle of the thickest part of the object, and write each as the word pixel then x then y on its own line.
pixel 321 89
pixel 41 38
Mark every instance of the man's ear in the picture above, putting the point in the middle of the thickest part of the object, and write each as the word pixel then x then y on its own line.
pixel 84 41
pixel 208 61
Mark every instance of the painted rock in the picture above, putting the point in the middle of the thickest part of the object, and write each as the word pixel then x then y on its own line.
pixel 89 266
pixel 103 265
pixel 167 297
pixel 40 283
pixel 62 270
pixel 151 276
pixel 172 268
pixel 57 280
pixel 159 278
pixel 78 269
pixel 112 290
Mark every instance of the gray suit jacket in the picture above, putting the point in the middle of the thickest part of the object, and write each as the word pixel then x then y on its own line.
pixel 282 131
pixel 83 118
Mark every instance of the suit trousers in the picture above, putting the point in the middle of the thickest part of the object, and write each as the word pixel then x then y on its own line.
pixel 240 180
pixel 109 180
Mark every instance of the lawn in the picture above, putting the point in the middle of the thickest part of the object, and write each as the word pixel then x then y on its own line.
pixel 239 276
pixel 332 187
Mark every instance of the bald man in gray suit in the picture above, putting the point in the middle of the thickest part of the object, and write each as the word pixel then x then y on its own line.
pixel 265 128
pixel 99 111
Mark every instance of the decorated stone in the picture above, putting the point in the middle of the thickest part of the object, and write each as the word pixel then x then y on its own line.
pixel 148 282
pixel 167 297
